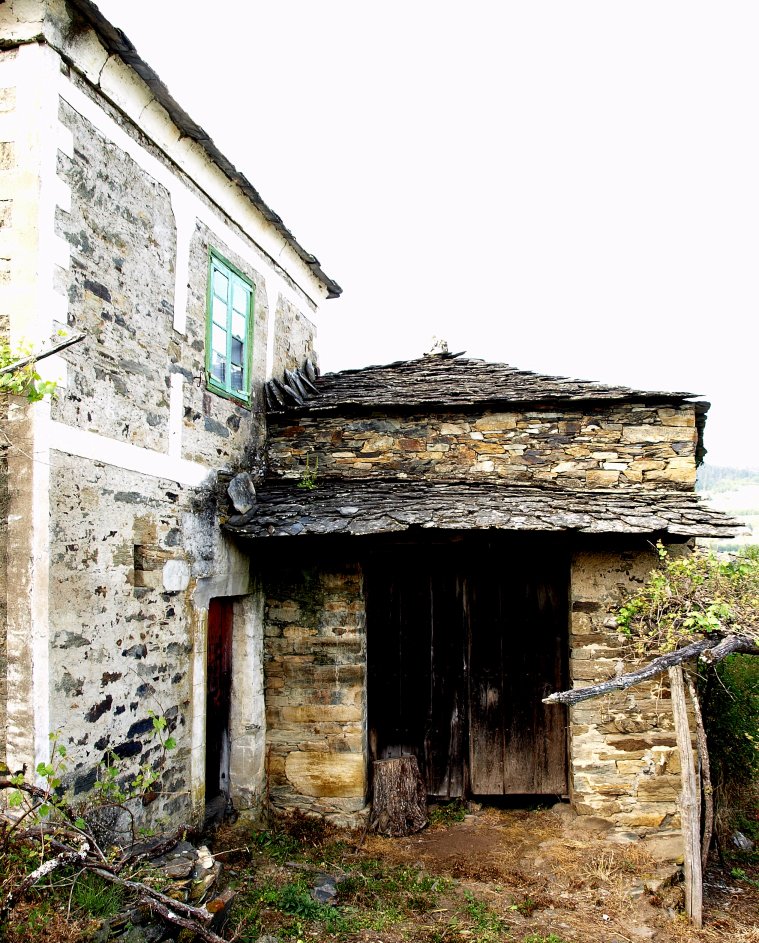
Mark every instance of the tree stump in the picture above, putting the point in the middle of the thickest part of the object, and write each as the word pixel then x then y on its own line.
pixel 399 797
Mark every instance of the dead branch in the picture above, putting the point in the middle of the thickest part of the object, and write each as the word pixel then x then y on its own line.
pixel 34 358
pixel 622 682
pixel 729 645
pixel 173 911
pixel 710 650
pixel 47 867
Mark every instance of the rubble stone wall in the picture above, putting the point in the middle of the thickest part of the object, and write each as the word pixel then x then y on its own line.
pixel 122 623
pixel 624 762
pixel 120 288
pixel 315 671
pixel 625 445
pixel 115 548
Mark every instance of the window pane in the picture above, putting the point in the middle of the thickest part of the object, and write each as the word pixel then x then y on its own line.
pixel 236 378
pixel 240 297
pixel 219 341
pixel 220 284
pixel 220 311
pixel 238 325
pixel 237 348
pixel 218 368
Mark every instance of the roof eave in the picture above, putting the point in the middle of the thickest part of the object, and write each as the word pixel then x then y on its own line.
pixel 362 508
pixel 118 43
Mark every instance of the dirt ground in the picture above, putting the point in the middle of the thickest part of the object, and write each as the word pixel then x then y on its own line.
pixel 549 873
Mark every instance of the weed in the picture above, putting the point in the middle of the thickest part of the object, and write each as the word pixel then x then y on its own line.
pixel 308 475
pixel 96 897
pixel 538 938
pixel 601 868
pixel 447 813
pixel 278 845
pixel 487 924
pixel 526 907
pixel 740 875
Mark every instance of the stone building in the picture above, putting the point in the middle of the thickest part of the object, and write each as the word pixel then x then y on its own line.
pixel 120 219
pixel 430 547
pixel 440 544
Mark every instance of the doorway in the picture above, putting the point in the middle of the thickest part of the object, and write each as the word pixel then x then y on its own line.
pixel 464 640
pixel 218 697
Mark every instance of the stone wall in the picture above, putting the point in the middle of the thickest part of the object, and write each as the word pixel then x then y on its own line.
pixel 122 623
pixel 120 287
pixel 623 754
pixel 622 446
pixel 113 545
pixel 293 346
pixel 315 669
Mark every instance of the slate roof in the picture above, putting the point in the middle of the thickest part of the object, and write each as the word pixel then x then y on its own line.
pixel 442 381
pixel 360 507
pixel 115 41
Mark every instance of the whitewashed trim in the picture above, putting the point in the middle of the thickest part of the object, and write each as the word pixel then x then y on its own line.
pixel 185 203
pixel 184 219
pixel 176 409
pixel 100 448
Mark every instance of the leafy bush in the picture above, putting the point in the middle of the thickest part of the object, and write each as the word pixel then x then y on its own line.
pixel 731 710
pixel 690 597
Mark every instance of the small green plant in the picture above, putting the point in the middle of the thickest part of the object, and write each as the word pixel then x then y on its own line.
pixel 488 925
pixel 277 844
pixel 539 938
pixel 447 813
pixel 84 842
pixel 308 475
pixel 19 376
pixel 525 907
pixel 740 875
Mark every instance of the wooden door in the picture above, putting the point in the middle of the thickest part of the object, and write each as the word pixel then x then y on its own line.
pixel 218 696
pixel 517 624
pixel 462 646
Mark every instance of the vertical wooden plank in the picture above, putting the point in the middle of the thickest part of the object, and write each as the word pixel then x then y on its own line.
pixel 689 804
pixel 485 632
pixel 446 732
pixel 218 695
pixel 398 653
pixel 518 633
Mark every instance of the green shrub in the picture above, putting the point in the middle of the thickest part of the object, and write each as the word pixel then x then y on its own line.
pixel 731 713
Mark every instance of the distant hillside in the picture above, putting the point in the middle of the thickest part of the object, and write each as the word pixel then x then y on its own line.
pixel 735 491
pixel 720 478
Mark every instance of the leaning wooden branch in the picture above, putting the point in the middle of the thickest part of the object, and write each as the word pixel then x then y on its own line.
pixel 712 649
pixel 706 773
pixel 47 867
pixel 34 358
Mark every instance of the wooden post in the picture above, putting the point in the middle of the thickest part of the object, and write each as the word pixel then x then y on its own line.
pixel 399 797
pixel 689 804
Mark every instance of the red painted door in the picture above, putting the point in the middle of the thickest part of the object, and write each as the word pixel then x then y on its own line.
pixel 218 696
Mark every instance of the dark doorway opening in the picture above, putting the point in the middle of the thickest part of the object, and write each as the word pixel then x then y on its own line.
pixel 218 699
pixel 464 639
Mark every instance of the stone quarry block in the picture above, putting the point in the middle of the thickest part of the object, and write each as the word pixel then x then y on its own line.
pixel 338 775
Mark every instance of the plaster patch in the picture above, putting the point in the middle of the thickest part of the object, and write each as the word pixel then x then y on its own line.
pixel 176 576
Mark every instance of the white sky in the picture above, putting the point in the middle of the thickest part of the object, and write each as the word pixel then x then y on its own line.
pixel 571 188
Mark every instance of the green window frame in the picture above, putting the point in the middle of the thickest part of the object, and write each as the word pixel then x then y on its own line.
pixel 229 330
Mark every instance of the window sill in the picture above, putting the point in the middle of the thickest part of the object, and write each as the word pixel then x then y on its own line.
pixel 245 402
